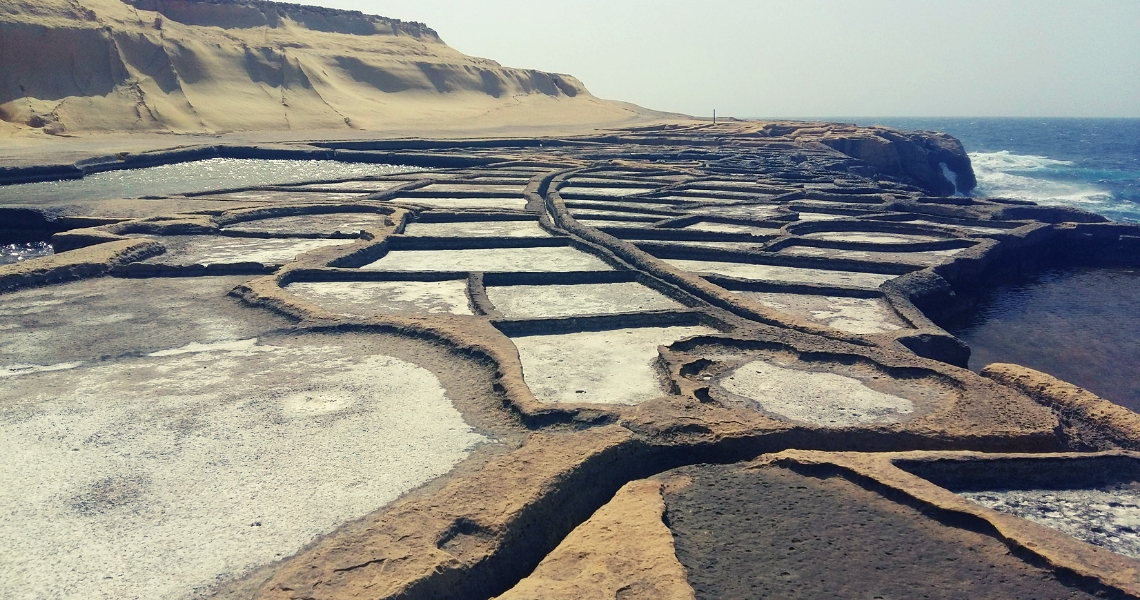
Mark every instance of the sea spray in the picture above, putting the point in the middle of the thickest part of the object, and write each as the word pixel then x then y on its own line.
pixel 1092 164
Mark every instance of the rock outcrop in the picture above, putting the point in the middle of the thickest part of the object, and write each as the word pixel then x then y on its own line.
pixel 226 65
pixel 934 161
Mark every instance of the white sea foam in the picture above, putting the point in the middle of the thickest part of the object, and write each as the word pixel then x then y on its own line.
pixel 950 176
pixel 1007 161
pixel 1025 177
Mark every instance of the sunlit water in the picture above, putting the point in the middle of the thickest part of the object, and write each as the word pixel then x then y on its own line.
pixel 188 177
pixel 1078 325
pixel 14 253
pixel 1092 164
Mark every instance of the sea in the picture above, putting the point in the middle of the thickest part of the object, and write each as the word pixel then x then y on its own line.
pixel 1092 164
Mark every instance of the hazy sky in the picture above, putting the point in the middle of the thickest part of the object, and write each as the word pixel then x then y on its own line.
pixel 769 58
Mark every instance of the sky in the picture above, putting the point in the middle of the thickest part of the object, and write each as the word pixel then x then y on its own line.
pixel 812 58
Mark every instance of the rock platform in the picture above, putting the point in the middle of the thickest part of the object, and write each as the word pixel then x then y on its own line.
pixel 687 361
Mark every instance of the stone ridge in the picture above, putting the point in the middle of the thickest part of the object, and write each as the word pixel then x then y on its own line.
pixel 1112 425
pixel 236 14
pixel 623 551
pixel 921 155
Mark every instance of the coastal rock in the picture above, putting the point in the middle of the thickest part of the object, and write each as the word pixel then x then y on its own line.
pixel 1092 421
pixel 933 161
pixel 624 550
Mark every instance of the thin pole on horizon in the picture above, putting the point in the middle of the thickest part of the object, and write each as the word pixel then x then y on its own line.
pixel 714 116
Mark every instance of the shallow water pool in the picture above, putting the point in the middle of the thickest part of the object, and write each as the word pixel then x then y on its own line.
pixel 193 176
pixel 1079 325
pixel 14 253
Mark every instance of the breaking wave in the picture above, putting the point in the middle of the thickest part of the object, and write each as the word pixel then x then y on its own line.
pixel 1048 181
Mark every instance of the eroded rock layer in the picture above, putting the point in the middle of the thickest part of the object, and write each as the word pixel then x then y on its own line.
pixel 193 65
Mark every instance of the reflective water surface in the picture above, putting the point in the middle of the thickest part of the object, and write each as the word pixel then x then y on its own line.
pixel 14 253
pixel 1080 325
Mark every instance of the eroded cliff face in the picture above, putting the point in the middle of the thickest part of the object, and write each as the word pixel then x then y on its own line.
pixel 934 161
pixel 247 14
pixel 216 65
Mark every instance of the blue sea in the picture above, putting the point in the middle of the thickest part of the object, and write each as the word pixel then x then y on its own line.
pixel 1092 164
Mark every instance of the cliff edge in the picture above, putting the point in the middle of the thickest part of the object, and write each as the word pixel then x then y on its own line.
pixel 241 65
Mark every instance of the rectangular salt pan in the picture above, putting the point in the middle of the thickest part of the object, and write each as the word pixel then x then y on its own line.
pixel 733 246
pixel 193 176
pixel 973 228
pixel 313 224
pixel 814 216
pixel 477 229
pixel 287 197
pixel 213 250
pixel 474 188
pixel 872 237
pixel 579 213
pixel 368 298
pixel 708 199
pixel 732 228
pixel 362 186
pixel 926 258
pixel 746 211
pixel 466 203
pixel 540 301
pixel 611 223
pixel 854 315
pixel 610 182
pixel 598 367
pixel 665 210
pixel 604 191
pixel 490 260
pixel 177 469
pixel 781 274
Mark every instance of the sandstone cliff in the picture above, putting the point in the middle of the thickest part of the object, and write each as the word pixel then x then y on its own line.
pixel 232 65
pixel 934 161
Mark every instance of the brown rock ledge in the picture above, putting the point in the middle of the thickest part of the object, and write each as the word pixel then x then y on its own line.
pixel 1093 421
pixel 624 551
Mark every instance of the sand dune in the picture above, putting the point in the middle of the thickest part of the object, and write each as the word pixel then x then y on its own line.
pixel 217 65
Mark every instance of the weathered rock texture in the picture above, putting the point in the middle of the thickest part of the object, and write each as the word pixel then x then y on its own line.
pixel 190 65
pixel 917 479
pixel 1094 422
pixel 709 216
pixel 623 551
pixel 920 156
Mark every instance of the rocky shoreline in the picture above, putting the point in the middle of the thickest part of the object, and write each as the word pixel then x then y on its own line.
pixel 629 307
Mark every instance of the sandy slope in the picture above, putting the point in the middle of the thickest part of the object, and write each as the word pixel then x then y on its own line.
pixel 70 66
